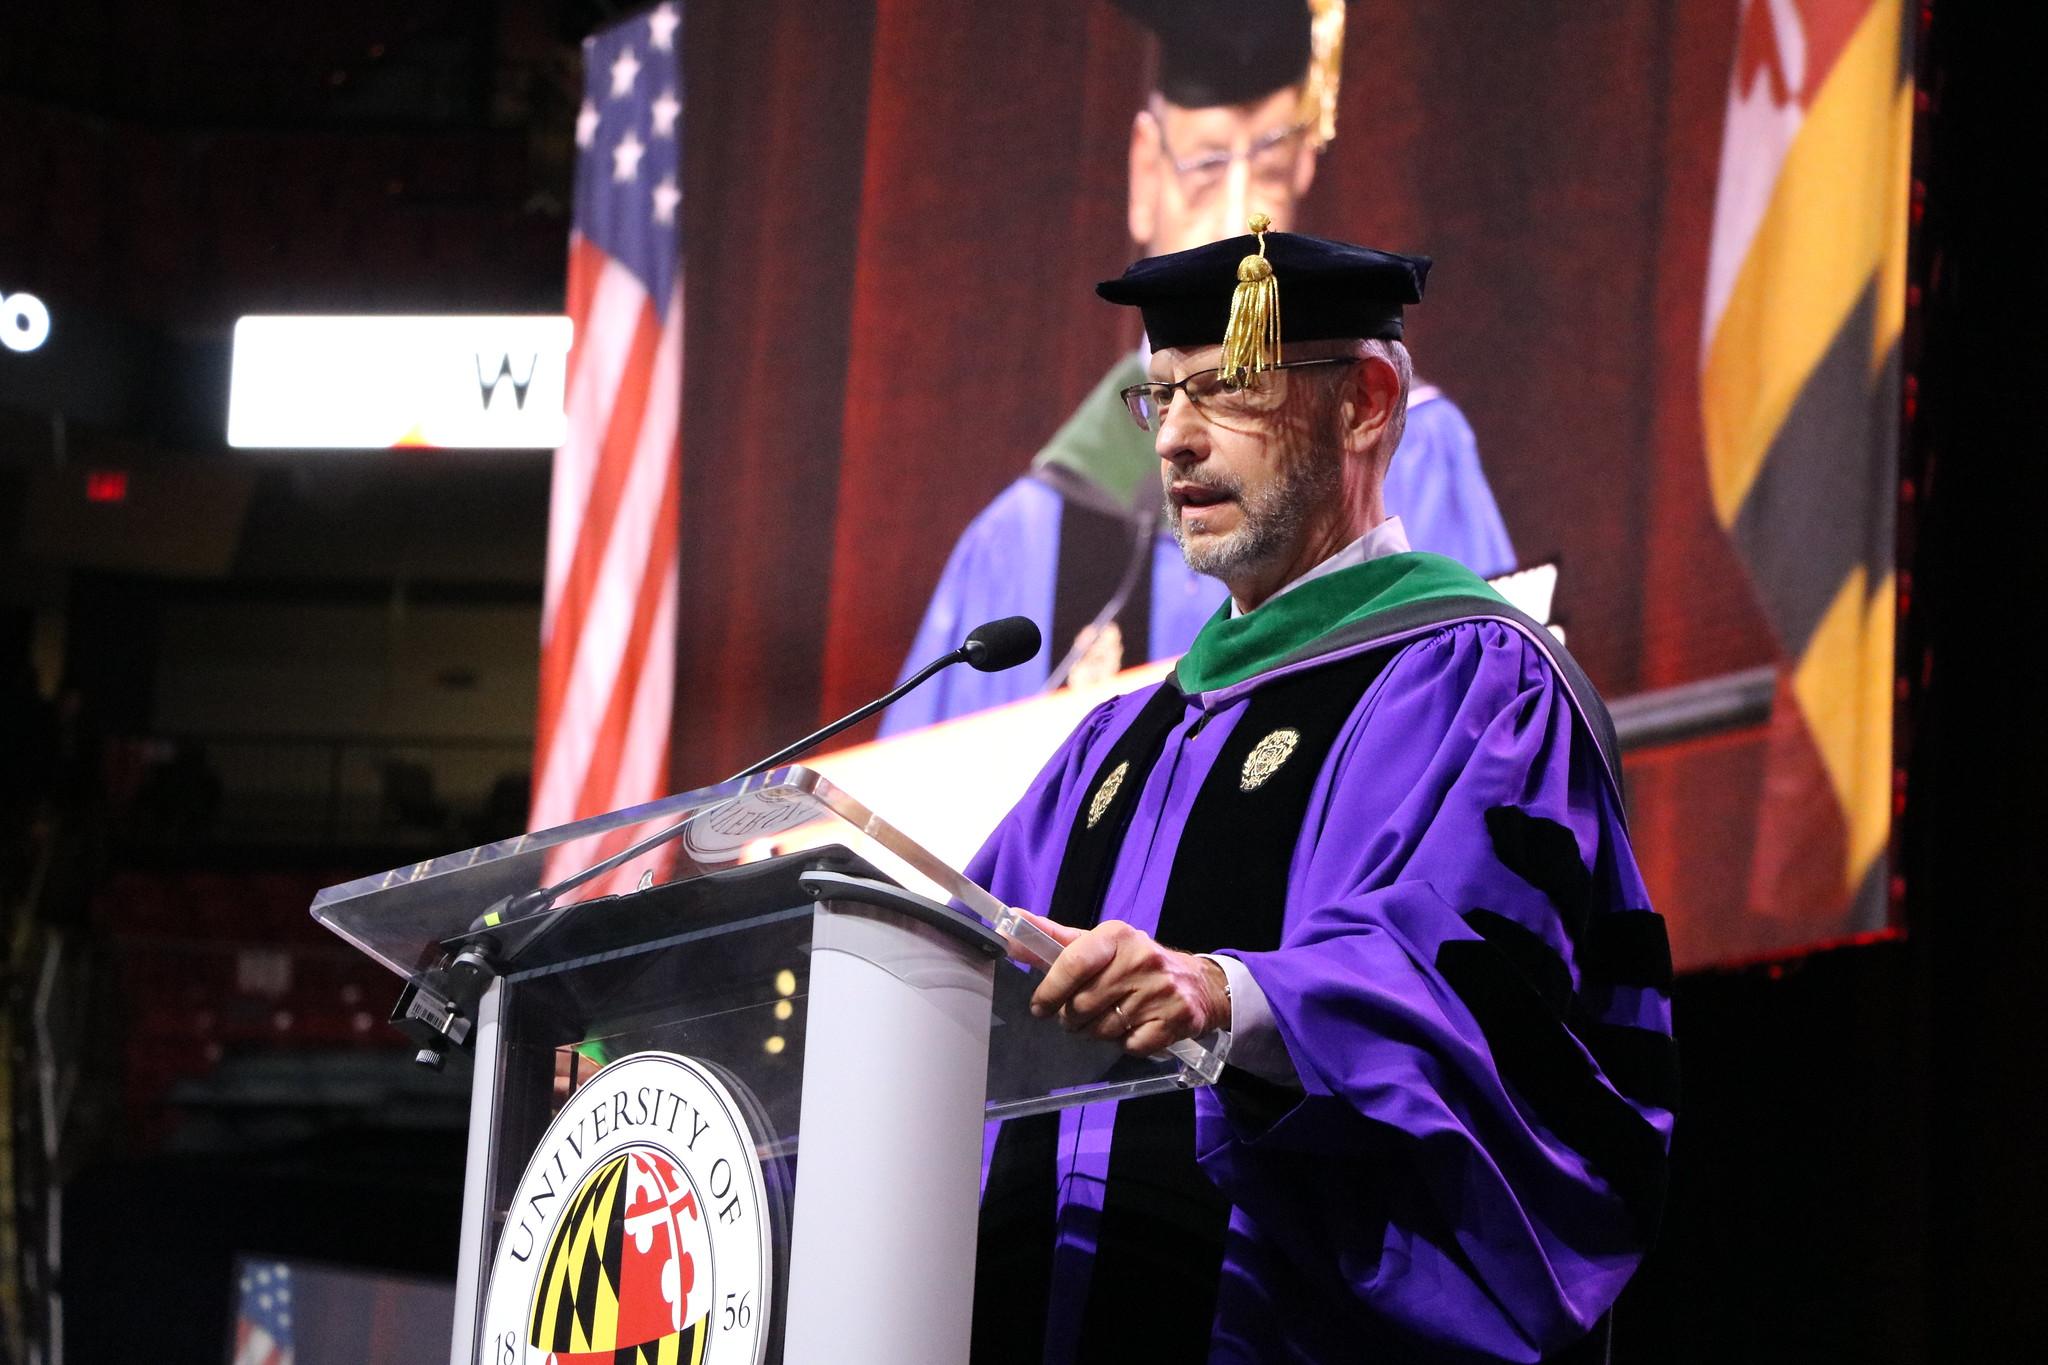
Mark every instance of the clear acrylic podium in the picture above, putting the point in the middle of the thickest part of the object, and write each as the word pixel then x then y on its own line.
pixel 864 1007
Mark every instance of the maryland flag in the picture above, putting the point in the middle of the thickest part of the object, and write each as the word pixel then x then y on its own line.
pixel 626 1278
pixel 1799 392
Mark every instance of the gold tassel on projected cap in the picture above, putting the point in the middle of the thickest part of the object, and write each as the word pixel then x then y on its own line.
pixel 1325 70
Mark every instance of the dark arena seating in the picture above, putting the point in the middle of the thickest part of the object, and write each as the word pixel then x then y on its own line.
pixel 215 969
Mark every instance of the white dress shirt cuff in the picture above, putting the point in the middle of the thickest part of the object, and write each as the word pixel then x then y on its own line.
pixel 1254 1039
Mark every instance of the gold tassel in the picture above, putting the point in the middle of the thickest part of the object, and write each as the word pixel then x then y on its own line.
pixel 1325 71
pixel 1251 340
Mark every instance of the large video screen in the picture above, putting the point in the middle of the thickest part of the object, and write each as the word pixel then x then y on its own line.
pixel 1658 351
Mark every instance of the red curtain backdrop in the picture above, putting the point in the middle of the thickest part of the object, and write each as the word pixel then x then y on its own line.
pixel 895 216
pixel 993 197
pixel 778 92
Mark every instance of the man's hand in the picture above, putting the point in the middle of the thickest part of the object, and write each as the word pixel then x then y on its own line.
pixel 1118 983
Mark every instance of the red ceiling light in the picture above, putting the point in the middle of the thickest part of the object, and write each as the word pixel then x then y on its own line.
pixel 106 485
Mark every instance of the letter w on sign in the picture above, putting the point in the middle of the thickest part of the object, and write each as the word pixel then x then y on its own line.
pixel 487 389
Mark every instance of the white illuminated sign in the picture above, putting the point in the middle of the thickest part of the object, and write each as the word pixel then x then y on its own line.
pixel 24 322
pixel 379 382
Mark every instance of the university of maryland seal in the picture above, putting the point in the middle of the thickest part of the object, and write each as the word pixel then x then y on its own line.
pixel 1106 793
pixel 1266 757
pixel 639 1233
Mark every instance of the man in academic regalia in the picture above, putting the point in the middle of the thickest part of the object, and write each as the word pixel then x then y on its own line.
pixel 1368 839
pixel 1245 101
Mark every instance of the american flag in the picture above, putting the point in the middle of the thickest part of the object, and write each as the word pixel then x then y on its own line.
pixel 263 1314
pixel 608 621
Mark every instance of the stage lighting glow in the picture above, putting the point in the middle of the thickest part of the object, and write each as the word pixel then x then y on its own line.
pixel 24 322
pixel 385 382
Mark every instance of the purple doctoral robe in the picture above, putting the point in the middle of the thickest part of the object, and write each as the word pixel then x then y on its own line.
pixel 1441 1188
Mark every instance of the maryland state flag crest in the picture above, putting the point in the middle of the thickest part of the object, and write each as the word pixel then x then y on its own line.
pixel 640 1232
pixel 1800 404
pixel 619 1284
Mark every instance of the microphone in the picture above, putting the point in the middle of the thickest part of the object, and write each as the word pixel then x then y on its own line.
pixel 998 645
pixel 989 648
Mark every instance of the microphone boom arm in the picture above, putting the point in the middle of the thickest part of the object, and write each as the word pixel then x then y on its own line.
pixel 988 647
pixel 540 898
pixel 854 717
pixel 437 1007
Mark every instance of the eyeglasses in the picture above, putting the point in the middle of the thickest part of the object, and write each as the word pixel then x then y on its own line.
pixel 1270 159
pixel 1212 395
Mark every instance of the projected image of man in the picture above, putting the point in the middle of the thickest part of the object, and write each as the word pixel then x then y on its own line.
pixel 1243 107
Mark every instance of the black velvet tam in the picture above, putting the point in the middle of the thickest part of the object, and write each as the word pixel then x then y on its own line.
pixel 1215 52
pixel 1327 289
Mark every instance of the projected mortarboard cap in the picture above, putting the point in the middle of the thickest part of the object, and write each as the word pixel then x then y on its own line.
pixel 1230 292
pixel 1214 52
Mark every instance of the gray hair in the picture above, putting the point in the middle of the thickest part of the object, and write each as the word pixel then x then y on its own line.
pixel 1372 348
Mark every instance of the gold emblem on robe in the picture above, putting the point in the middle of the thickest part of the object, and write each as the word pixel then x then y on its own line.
pixel 1266 757
pixel 1106 793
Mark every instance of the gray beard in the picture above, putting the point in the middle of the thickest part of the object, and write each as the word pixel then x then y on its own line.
pixel 1270 521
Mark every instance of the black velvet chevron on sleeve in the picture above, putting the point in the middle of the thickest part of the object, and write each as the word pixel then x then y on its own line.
pixel 1546 1043
pixel 1627 948
pixel 1537 962
pixel 1640 1063
pixel 1538 1058
pixel 1544 854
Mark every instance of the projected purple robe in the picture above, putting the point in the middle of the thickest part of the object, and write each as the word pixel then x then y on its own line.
pixel 1469 985
pixel 1007 562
